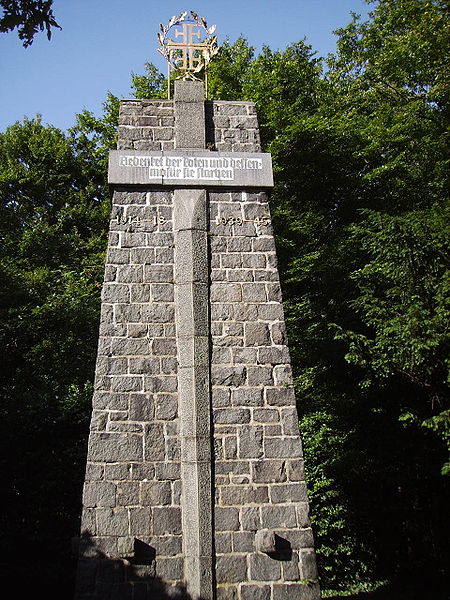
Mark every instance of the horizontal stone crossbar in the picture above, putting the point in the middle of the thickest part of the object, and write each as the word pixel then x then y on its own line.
pixel 191 168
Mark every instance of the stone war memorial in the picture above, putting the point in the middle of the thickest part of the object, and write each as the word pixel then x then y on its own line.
pixel 194 483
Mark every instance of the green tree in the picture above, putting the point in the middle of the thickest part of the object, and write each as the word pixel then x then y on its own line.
pixel 372 294
pixel 312 173
pixel 394 71
pixel 28 17
pixel 54 210
pixel 53 221
pixel 152 84
pixel 360 208
pixel 228 70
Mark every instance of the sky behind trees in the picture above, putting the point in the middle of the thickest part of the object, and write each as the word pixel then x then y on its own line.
pixel 103 41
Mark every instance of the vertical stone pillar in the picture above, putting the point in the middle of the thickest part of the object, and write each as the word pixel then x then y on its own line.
pixel 193 334
pixel 189 106
pixel 192 326
pixel 194 484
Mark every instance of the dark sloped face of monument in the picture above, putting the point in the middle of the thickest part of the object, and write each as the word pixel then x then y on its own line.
pixel 194 482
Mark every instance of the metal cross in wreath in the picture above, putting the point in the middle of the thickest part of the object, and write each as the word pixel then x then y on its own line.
pixel 188 45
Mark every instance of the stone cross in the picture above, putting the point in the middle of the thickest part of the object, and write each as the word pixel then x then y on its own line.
pixel 194 482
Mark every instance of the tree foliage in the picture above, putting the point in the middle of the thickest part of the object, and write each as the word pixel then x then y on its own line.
pixel 360 209
pixel 394 71
pixel 28 17
pixel 53 216
pixel 152 84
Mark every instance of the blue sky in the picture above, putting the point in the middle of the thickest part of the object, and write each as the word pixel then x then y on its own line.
pixel 103 41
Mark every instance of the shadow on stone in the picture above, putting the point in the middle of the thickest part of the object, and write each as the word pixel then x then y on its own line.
pixel 270 543
pixel 283 549
pixel 100 577
pixel 209 126
pixel 144 554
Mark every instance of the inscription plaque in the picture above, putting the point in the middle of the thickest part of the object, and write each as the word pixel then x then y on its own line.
pixel 177 168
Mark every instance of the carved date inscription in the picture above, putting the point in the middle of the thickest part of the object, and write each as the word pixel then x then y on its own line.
pixel 262 221
pixel 136 220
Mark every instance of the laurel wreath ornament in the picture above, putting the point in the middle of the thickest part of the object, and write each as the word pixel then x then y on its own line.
pixel 209 47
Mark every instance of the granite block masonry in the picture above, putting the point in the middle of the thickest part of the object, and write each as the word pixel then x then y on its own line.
pixel 194 482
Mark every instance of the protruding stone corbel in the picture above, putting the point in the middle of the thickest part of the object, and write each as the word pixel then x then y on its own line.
pixel 265 541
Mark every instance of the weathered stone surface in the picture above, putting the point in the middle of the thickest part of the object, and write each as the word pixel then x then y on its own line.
pixel 264 568
pixel 140 521
pixel 295 590
pixel 308 564
pixel 255 592
pixel 234 415
pixel 189 109
pixel 226 519
pixel 166 521
pixel 257 334
pixel 291 571
pixel 269 471
pixel 228 592
pixel 99 494
pixel 115 447
pixel 230 568
pixel 251 519
pixel 278 516
pixel 193 367
pixel 251 442
pixel 112 521
pixel 154 442
pixel 170 569
pixel 156 493
pixel 228 376
pixel 265 541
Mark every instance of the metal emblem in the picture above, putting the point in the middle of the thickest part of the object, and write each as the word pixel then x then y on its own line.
pixel 187 44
